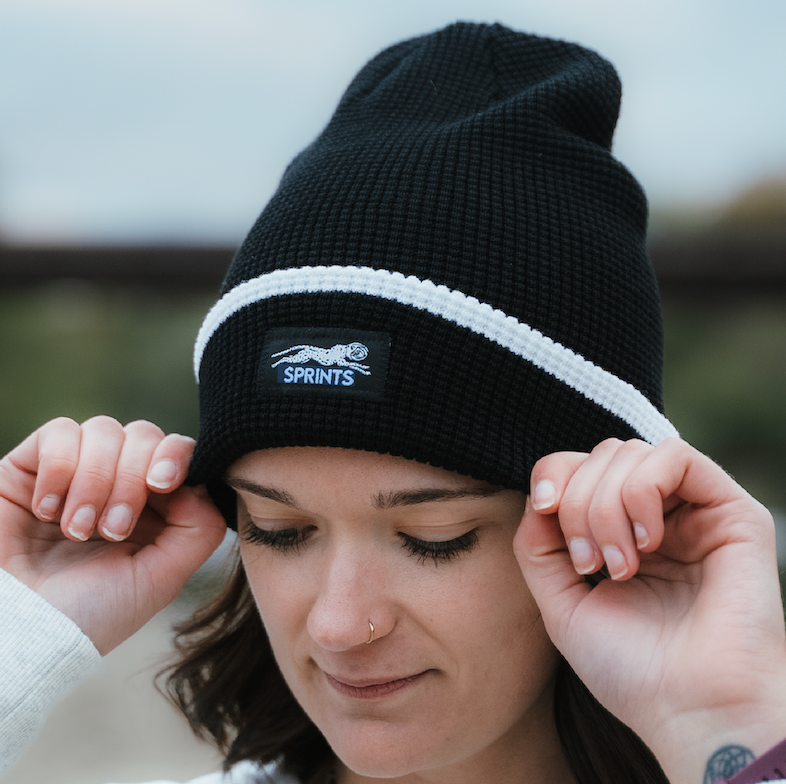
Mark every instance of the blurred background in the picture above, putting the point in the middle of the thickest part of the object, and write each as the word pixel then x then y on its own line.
pixel 139 139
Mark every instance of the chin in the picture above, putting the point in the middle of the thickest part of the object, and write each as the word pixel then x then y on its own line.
pixel 389 767
pixel 387 754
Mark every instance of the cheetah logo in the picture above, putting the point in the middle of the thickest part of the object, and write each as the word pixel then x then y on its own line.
pixel 341 355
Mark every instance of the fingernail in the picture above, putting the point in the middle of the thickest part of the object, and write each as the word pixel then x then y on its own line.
pixel 162 474
pixel 642 537
pixel 48 507
pixel 118 523
pixel 582 553
pixel 615 561
pixel 544 495
pixel 82 522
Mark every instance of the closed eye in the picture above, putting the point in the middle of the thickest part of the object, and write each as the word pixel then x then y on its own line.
pixel 282 539
pixel 439 551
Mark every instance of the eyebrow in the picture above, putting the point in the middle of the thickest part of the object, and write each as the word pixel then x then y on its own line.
pixel 381 500
pixel 281 496
pixel 429 494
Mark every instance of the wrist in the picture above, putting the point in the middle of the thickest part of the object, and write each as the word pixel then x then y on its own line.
pixel 715 745
pixel 769 766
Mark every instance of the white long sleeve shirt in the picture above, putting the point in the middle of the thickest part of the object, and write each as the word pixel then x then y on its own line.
pixel 44 656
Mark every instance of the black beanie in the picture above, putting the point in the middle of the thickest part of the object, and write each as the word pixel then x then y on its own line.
pixel 454 272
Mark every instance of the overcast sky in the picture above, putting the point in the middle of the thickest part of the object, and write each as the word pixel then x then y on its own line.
pixel 172 120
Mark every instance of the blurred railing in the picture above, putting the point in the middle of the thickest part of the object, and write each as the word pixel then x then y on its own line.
pixel 732 265
pixel 694 266
pixel 158 266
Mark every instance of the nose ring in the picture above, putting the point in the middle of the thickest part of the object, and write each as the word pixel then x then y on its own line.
pixel 370 633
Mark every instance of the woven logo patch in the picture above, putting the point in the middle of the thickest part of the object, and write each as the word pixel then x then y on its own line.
pixel 309 361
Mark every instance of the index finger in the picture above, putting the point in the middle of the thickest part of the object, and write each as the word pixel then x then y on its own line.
pixel 550 476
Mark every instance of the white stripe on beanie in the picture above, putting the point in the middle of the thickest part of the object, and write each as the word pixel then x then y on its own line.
pixel 596 384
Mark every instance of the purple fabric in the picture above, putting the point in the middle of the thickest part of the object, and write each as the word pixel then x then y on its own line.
pixel 769 767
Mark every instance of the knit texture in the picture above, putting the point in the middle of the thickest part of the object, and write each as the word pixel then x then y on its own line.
pixel 476 158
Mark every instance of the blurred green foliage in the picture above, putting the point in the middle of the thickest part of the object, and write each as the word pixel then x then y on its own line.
pixel 725 386
pixel 75 349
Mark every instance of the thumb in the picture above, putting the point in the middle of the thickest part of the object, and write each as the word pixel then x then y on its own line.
pixel 544 560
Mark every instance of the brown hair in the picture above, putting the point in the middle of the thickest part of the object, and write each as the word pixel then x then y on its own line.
pixel 228 685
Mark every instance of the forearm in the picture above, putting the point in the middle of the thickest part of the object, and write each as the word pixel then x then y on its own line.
pixel 44 656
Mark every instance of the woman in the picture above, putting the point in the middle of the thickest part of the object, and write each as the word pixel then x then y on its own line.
pixel 430 405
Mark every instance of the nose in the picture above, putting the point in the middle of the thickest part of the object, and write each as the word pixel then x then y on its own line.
pixel 353 605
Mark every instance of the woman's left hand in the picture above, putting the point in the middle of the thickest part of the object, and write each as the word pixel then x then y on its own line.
pixel 686 643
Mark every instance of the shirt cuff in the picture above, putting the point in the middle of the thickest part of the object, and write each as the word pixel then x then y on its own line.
pixel 44 656
pixel 770 767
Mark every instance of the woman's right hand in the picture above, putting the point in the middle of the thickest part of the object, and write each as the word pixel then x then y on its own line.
pixel 95 518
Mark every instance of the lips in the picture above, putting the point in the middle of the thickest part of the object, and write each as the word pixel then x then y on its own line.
pixel 372 688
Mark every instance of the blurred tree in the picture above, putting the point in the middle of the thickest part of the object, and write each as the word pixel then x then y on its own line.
pixel 760 209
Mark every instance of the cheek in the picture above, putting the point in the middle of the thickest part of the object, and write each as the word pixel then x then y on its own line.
pixel 499 664
pixel 509 662
pixel 495 617
pixel 280 594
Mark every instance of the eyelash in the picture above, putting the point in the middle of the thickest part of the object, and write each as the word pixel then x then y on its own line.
pixel 439 552
pixel 285 539
pixel 290 540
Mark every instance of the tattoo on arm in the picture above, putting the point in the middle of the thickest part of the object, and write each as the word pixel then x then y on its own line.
pixel 727 761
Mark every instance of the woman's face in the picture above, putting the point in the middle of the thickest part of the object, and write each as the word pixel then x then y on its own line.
pixel 460 671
